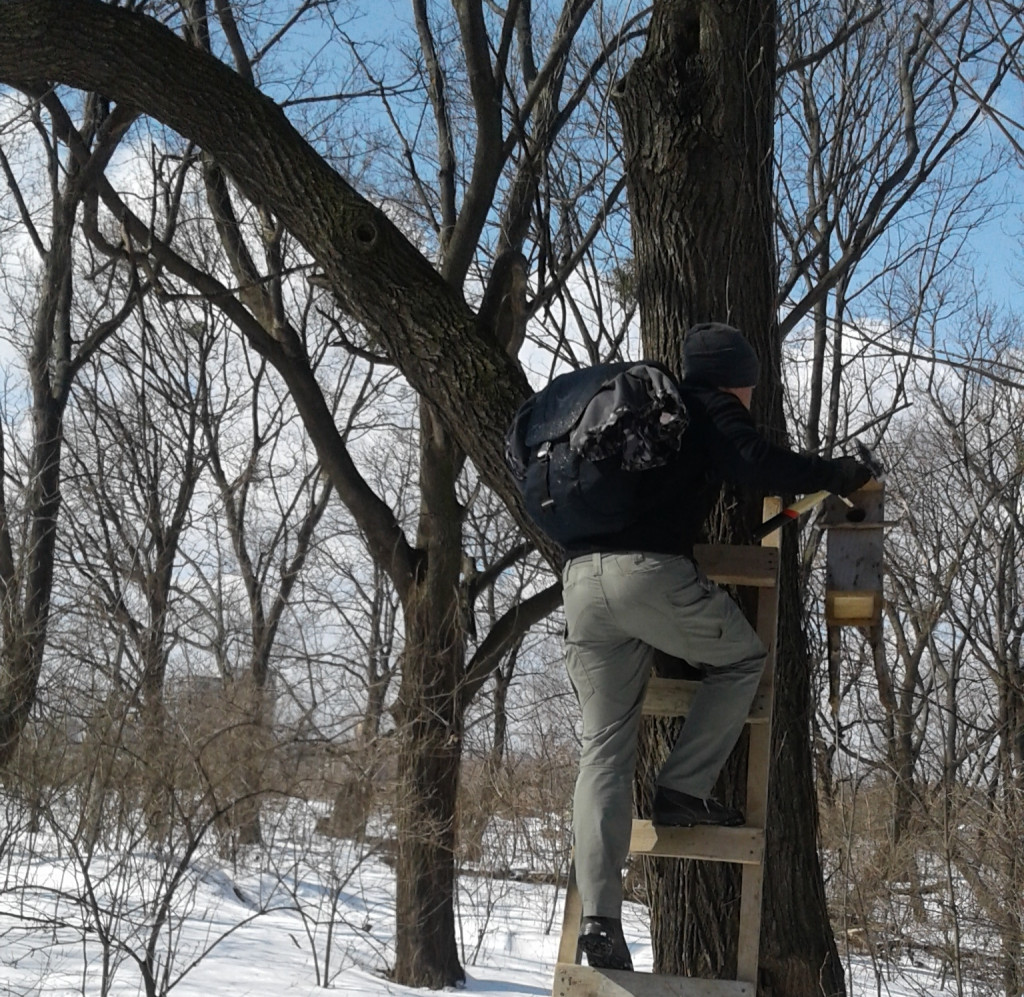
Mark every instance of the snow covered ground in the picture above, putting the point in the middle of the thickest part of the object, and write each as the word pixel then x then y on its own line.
pixel 304 912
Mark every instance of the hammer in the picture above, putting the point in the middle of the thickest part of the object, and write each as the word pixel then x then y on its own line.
pixel 800 506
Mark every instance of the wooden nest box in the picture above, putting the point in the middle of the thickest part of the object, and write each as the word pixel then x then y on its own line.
pixel 853 575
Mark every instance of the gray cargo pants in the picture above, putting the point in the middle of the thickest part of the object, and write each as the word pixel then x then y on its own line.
pixel 618 609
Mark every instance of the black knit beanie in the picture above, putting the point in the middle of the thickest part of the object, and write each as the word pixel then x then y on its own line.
pixel 719 356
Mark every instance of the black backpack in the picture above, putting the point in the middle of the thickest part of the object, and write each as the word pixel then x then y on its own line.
pixel 578 449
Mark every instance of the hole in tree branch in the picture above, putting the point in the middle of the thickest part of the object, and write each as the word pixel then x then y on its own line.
pixel 366 234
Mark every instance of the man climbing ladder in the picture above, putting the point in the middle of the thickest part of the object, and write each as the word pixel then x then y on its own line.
pixel 631 587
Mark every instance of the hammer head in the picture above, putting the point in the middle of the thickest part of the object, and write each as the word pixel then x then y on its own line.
pixel 870 461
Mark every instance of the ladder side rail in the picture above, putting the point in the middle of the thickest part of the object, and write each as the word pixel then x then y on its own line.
pixel 758 773
pixel 569 945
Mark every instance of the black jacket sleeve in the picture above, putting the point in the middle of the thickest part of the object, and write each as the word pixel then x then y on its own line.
pixel 741 455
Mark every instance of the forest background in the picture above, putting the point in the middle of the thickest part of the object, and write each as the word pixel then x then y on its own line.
pixel 256 541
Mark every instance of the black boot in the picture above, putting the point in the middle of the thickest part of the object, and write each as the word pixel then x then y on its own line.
pixel 602 939
pixel 675 809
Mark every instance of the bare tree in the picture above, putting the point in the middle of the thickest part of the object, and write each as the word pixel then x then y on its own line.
pixel 59 338
pixel 920 789
pixel 272 501
pixel 135 458
pixel 703 92
pixel 981 425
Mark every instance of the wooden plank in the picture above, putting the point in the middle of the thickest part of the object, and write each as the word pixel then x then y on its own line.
pixel 758 758
pixel 582 981
pixel 864 526
pixel 748 946
pixel 752 882
pixel 732 564
pixel 759 749
pixel 672 698
pixel 771 506
pixel 710 844
pixel 853 608
pixel 569 946
pixel 758 770
pixel 854 560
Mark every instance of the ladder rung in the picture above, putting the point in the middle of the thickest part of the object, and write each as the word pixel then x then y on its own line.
pixel 582 981
pixel 729 565
pixel 711 844
pixel 672 698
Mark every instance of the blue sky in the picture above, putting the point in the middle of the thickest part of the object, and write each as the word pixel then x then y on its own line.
pixel 1000 248
pixel 996 245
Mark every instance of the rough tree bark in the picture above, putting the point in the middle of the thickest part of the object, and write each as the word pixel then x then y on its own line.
pixel 429 718
pixel 697 114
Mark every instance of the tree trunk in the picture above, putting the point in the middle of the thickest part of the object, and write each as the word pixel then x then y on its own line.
pixel 253 739
pixel 429 718
pixel 798 950
pixel 502 683
pixel 428 766
pixel 25 588
pixel 158 758
pixel 697 114
pixel 26 610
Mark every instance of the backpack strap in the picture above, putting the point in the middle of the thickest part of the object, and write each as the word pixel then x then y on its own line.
pixel 517 450
pixel 544 455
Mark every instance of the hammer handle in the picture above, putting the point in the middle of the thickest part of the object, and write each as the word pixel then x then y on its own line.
pixel 791 512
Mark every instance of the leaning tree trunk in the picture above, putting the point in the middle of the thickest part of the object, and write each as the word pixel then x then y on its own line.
pixel 697 115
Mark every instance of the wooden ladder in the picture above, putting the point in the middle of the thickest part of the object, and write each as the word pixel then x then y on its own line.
pixel 727 565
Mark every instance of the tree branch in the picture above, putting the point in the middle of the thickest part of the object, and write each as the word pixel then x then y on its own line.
pixel 840 38
pixel 504 634
pixel 439 103
pixel 373 269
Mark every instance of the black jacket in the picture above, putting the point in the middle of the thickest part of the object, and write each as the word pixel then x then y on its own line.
pixel 721 444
